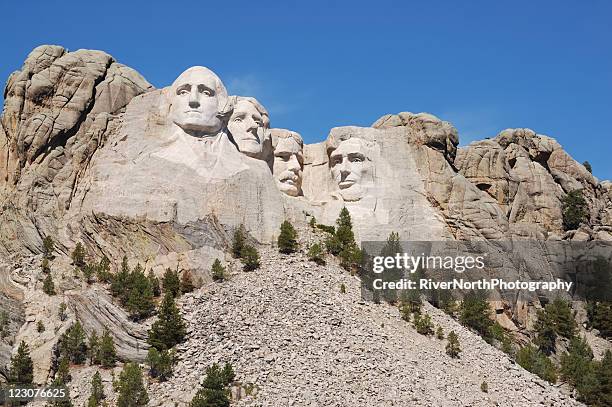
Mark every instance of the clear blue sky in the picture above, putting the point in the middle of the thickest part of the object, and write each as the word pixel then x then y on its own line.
pixel 483 65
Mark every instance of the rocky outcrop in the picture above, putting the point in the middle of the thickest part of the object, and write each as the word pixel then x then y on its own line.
pixel 529 174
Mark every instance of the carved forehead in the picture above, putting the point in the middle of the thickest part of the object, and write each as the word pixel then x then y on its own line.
pixel 352 145
pixel 244 106
pixel 244 101
pixel 282 134
pixel 201 75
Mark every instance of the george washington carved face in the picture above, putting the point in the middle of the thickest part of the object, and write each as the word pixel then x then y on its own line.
pixel 198 102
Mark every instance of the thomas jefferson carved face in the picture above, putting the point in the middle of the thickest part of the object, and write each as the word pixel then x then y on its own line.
pixel 248 125
pixel 349 167
pixel 288 161
pixel 198 98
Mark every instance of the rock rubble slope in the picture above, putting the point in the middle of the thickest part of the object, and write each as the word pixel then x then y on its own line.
pixel 297 340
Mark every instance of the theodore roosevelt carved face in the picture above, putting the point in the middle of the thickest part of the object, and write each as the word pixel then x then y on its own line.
pixel 288 161
pixel 199 102
pixel 249 126
pixel 350 168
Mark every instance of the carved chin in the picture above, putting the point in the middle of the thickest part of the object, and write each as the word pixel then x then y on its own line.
pixel 354 193
pixel 249 147
pixel 288 188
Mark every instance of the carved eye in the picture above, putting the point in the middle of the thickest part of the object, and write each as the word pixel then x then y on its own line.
pixel 237 119
pixel 182 92
pixel 356 159
pixel 336 161
pixel 207 93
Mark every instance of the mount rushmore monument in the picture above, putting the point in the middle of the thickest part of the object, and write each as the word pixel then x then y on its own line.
pixel 91 152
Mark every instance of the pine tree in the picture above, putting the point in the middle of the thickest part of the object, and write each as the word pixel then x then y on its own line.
pixel 186 282
pixel 72 344
pixel 21 370
pixel 536 362
pixel 45 266
pixel 604 374
pixel 344 239
pixel 94 349
pixel 315 253
pixel 423 324
pixel 217 271
pixel 545 332
pixel 4 324
pixel 107 353
pixel 578 369
pixel 78 255
pixel 574 209
pixel 120 281
pixel 48 285
pixel 602 318
pixel 154 283
pixel 62 376
pixel 287 240
pixel 475 311
pixel 452 347
pixel 61 312
pixel 140 302
pixel 161 363
pixel 97 391
pixel 213 392
pixel 228 374
pixel 103 270
pixel 250 258
pixel 238 242
pixel 171 283
pixel 439 333
pixel 130 387
pixel 169 329
pixel 588 166
pixel 40 327
pixel 48 247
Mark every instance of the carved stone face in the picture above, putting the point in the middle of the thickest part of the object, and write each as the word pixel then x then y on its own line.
pixel 195 99
pixel 288 164
pixel 349 166
pixel 247 126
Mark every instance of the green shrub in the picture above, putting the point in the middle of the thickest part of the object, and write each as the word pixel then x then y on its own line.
pixel 484 387
pixel 474 313
pixel 423 324
pixel 130 387
pixel 72 344
pixel 186 285
pixel 40 327
pixel 171 283
pixel 250 258
pixel 48 247
pixel 452 346
pixel 97 391
pixel 107 353
pixel 161 363
pixel 21 370
pixel 440 333
pixel 556 319
pixel 342 289
pixel 213 392
pixel 139 293
pixel 287 240
pixel 61 312
pixel 154 283
pixel 218 271
pixel 578 368
pixel 575 210
pixel 78 255
pixel 238 242
pixel 536 362
pixel 315 253
pixel 169 328
pixel 48 285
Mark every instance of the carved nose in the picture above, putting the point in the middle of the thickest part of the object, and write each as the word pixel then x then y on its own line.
pixel 294 165
pixel 194 100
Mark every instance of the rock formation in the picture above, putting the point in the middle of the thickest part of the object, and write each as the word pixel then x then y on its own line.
pixel 90 152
